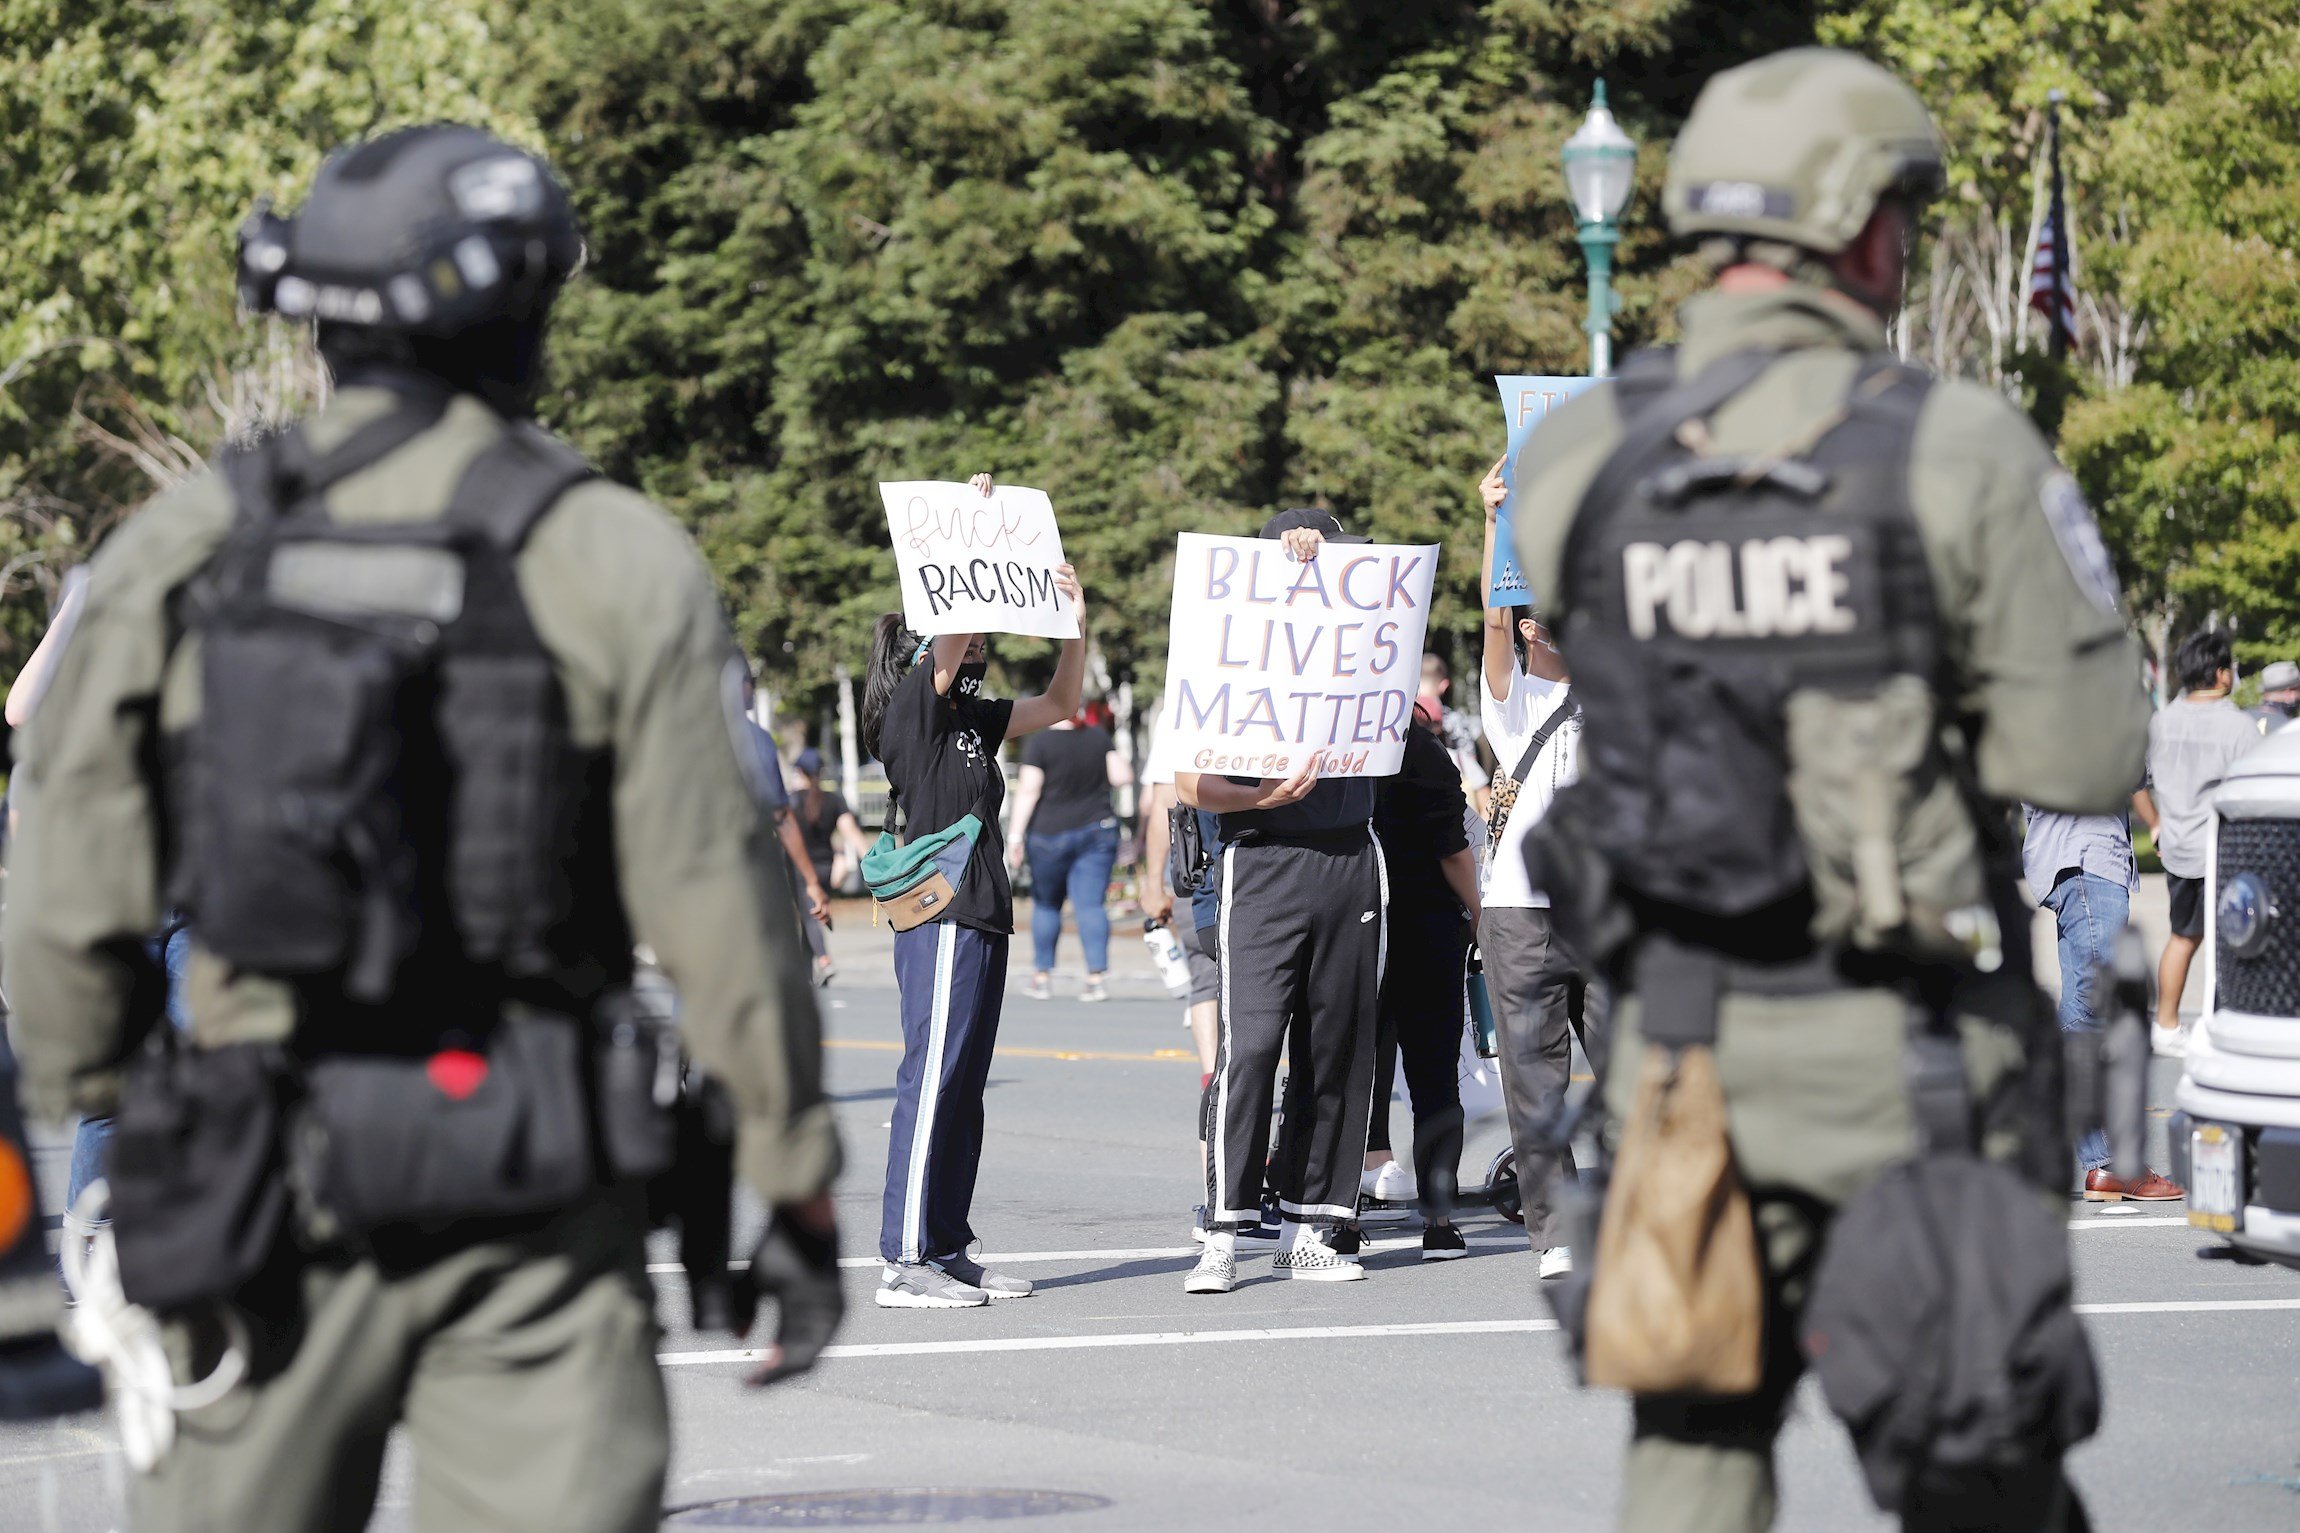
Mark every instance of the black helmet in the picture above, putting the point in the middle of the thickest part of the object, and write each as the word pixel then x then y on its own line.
pixel 427 231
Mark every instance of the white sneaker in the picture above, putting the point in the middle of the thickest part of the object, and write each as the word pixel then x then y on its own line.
pixel 924 1287
pixel 1307 1256
pixel 1557 1261
pixel 2168 1042
pixel 1217 1269
pixel 1389 1182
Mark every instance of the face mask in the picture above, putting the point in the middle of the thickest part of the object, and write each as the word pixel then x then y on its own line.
pixel 969 683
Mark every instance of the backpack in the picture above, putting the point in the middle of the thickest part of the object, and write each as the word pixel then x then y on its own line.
pixel 1756 647
pixel 1191 862
pixel 382 770
pixel 1942 1331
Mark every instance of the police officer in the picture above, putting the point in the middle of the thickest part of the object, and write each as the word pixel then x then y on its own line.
pixel 1769 552
pixel 558 721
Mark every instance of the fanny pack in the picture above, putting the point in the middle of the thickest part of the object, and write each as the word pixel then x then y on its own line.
pixel 915 881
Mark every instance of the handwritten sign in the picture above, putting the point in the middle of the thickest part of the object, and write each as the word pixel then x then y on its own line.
pixel 1524 403
pixel 972 563
pixel 1271 662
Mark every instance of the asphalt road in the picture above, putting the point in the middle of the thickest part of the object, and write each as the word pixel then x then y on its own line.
pixel 1425 1397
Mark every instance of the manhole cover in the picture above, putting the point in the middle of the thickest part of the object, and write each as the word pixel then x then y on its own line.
pixel 881 1508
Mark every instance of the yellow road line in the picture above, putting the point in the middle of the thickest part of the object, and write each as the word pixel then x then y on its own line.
pixel 1161 1057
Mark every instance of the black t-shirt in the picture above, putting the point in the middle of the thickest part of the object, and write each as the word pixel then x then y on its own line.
pixel 941 758
pixel 1418 815
pixel 819 814
pixel 1077 767
pixel 1336 803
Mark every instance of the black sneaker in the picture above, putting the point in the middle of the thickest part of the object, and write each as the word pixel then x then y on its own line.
pixel 1347 1240
pixel 1443 1243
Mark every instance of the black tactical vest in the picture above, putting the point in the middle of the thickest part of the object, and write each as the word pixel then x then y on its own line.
pixel 381 798
pixel 1703 592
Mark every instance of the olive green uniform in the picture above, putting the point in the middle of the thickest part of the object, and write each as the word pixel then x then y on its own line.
pixel 522 1366
pixel 2044 678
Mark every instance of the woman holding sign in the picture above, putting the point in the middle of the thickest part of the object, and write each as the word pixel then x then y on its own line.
pixel 925 718
pixel 1303 901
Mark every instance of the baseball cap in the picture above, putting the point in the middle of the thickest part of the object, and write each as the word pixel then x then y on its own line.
pixel 809 761
pixel 2279 674
pixel 1313 519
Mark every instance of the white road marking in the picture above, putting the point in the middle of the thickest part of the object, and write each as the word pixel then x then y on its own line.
pixel 2185 1306
pixel 2127 1222
pixel 1136 1339
pixel 1337 1333
pixel 1507 1237
pixel 1134 1253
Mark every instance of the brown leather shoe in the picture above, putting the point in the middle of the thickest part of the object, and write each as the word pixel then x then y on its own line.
pixel 2100 1187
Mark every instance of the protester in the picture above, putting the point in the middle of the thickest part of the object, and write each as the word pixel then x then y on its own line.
pixel 1168 874
pixel 1540 1002
pixel 924 717
pixel 1433 908
pixel 833 840
pixel 2081 868
pixel 1064 822
pixel 2279 695
pixel 813 904
pixel 2192 741
pixel 1302 889
pixel 1457 729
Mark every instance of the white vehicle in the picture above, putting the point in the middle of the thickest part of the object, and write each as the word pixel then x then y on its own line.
pixel 2236 1133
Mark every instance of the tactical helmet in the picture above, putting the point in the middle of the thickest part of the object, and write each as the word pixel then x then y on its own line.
pixel 426 231
pixel 1799 147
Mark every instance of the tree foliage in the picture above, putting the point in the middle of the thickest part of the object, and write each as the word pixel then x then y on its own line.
pixel 1179 262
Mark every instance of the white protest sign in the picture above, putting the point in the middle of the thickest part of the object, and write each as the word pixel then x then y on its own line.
pixel 1271 663
pixel 975 563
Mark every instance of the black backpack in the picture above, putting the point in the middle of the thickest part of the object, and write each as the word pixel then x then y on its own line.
pixel 1942 1331
pixel 1703 590
pixel 381 770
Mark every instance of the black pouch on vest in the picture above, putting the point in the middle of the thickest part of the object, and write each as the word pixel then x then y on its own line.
pixel 494 1130
pixel 198 1186
pixel 638 1089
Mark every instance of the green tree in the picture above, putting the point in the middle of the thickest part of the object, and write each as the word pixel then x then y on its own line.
pixel 138 136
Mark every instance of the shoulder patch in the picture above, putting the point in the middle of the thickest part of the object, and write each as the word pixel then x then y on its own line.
pixel 2078 537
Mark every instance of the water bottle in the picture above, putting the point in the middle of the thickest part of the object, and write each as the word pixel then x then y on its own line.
pixel 1480 1006
pixel 1166 952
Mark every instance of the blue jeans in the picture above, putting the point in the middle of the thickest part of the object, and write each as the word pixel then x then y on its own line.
pixel 2091 912
pixel 1073 865
pixel 94 1136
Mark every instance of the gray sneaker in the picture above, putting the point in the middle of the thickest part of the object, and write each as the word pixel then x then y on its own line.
pixel 924 1287
pixel 965 1269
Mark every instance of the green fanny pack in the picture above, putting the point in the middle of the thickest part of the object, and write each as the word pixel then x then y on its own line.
pixel 915 881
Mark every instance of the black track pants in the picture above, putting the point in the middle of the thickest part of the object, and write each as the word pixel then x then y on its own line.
pixel 1302 938
pixel 1422 1015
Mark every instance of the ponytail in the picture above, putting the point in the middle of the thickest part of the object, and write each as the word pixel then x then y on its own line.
pixel 891 647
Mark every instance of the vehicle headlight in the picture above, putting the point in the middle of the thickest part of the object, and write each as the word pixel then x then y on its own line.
pixel 2246 912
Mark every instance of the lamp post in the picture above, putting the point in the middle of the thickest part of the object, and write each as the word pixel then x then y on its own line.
pixel 1600 168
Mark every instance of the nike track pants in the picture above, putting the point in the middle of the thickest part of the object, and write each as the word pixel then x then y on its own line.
pixel 1302 938
pixel 952 980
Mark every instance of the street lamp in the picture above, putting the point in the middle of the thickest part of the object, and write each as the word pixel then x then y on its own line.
pixel 1600 168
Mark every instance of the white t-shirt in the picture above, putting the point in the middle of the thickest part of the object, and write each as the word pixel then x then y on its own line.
pixel 1510 724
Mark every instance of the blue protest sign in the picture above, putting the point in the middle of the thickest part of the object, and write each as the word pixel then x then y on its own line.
pixel 1524 401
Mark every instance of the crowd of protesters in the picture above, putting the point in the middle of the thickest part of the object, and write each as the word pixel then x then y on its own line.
pixel 1328 926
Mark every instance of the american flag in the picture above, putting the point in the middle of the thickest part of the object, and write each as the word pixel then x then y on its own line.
pixel 2052 279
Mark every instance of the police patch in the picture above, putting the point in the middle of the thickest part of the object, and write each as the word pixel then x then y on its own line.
pixel 2079 538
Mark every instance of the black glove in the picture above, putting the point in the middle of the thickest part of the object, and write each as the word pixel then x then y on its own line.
pixel 798 1267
